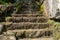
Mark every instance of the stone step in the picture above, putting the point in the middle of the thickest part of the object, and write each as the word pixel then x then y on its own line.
pixel 32 33
pixel 27 25
pixel 4 37
pixel 26 15
pixel 27 19
pixel 27 30
pixel 50 38
pixel 29 12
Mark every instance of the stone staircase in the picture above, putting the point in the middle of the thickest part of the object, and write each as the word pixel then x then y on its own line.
pixel 30 27
pixel 30 24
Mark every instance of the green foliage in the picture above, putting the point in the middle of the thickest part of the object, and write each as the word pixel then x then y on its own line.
pixel 19 6
pixel 57 25
pixel 5 2
pixel 51 22
pixel 7 18
pixel 57 32
pixel 37 4
pixel 56 28
pixel 0 11
pixel 42 7
pixel 57 37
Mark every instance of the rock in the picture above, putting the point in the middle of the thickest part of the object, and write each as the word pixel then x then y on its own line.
pixel 2 37
pixel 1 27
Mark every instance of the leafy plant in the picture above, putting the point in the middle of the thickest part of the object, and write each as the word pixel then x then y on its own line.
pixel 7 18
pixel 5 2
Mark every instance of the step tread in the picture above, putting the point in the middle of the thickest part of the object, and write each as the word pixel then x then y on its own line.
pixel 26 15
pixel 22 30
pixel 50 38
pixel 28 23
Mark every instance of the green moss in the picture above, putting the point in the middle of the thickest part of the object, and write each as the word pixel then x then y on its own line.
pixel 7 19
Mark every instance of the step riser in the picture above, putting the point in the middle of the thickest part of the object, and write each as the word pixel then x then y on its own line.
pixel 27 19
pixel 27 26
pixel 35 34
